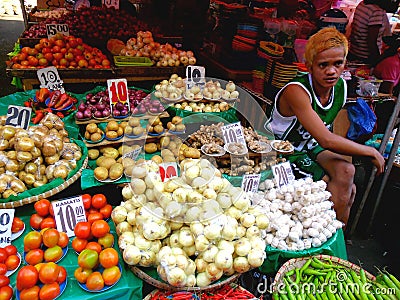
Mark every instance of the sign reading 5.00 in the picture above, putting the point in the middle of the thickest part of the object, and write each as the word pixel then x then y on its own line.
pixel 67 213
pixel 6 218
pixel 283 173
pixel 50 79
pixel 18 116
pixel 110 3
pixel 233 133
pixel 53 29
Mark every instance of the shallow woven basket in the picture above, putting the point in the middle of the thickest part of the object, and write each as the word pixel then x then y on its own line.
pixel 165 286
pixel 299 262
pixel 48 193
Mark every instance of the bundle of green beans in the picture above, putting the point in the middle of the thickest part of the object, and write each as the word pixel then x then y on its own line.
pixel 324 280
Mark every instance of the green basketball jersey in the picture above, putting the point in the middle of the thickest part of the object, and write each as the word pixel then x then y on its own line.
pixel 289 128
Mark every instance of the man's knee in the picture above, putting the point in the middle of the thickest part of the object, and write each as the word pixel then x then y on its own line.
pixel 345 172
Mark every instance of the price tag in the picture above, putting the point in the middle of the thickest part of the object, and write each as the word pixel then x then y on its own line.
pixel 53 29
pixel 6 217
pixel 118 92
pixel 195 75
pixel 283 173
pixel 110 3
pixel 132 154
pixel 50 79
pixel 18 116
pixel 67 213
pixel 233 133
pixel 168 170
pixel 250 182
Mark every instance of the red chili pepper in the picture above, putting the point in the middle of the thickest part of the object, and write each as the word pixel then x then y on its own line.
pixel 63 98
pixel 60 114
pixel 65 104
pixel 54 98
pixel 28 104
pixel 39 116
pixel 42 94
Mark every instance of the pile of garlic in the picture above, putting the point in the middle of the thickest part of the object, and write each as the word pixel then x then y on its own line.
pixel 194 228
pixel 300 214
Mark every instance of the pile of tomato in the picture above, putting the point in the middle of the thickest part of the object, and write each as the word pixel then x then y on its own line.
pixel 91 274
pixel 9 261
pixel 95 236
pixel 44 246
pixel 41 281
pixel 96 208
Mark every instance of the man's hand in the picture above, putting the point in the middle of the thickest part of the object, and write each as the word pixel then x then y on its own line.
pixel 379 162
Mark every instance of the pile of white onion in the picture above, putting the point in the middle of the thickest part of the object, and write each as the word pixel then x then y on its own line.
pixel 194 228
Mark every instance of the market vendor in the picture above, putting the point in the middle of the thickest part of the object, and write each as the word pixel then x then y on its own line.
pixel 304 112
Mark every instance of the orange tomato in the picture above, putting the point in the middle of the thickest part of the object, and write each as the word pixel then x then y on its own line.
pixel 108 257
pixel 106 211
pixel 6 293
pixel 50 237
pixel 106 241
pixel 51 210
pixel 49 273
pixel 27 277
pixel 82 230
pixel 35 221
pixel 87 201
pixel 48 222
pixel 3 269
pixel 17 225
pixel 12 262
pixel 62 275
pixel 79 244
pixel 10 249
pixel 42 207
pixel 82 274
pixel 94 216
pixel 98 201
pixel 63 240
pixel 53 254
pixel 95 281
pixel 100 228
pixel 34 256
pixel 111 275
pixel 49 291
pixel 4 280
pixel 30 294
pixel 32 240
pixel 94 246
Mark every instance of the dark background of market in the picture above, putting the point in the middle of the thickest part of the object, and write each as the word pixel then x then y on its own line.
pixel 378 248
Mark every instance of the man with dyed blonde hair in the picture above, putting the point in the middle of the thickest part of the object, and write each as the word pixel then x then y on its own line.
pixel 304 112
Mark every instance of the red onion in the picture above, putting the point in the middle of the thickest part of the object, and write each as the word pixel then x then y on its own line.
pixel 79 115
pixel 100 106
pixel 87 113
pixel 98 114
pixel 116 113
pixel 106 112
pixel 81 107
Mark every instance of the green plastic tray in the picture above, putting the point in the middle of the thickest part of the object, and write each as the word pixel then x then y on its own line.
pixel 130 61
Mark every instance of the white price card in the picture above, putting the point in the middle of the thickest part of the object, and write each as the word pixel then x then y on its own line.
pixel 50 79
pixel 250 182
pixel 53 29
pixel 110 3
pixel 118 92
pixel 168 170
pixel 132 154
pixel 283 173
pixel 67 213
pixel 6 219
pixel 195 75
pixel 233 133
pixel 18 116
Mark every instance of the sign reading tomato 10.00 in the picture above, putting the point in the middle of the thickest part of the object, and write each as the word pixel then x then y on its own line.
pixel 67 213
pixel 6 219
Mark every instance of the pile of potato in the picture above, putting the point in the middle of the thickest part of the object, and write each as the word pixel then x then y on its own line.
pixel 93 133
pixel 108 162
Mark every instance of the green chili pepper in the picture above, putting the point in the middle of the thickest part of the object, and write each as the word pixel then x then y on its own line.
pixel 311 296
pixel 289 290
pixel 391 284
pixel 314 272
pixel 290 273
pixel 363 295
pixel 297 280
pixel 394 279
pixel 363 277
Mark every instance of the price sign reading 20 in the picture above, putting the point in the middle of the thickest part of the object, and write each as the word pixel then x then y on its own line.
pixel 117 90
pixel 18 116
pixel 67 213
pixel 283 173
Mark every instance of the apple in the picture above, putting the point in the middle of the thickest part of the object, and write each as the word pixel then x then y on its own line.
pixel 58 56
pixel 43 62
pixel 69 56
pixel 64 62
pixel 83 63
pixel 48 56
pixel 56 49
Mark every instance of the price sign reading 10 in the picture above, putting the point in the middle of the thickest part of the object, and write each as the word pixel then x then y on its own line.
pixel 117 90
pixel 68 212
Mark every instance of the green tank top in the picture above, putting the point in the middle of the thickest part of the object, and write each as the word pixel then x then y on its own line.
pixel 289 128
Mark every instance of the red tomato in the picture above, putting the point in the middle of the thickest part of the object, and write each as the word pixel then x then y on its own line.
pixel 62 275
pixel 94 246
pixel 48 222
pixel 82 230
pixel 106 211
pixel 3 269
pixel 10 249
pixel 63 240
pixel 12 262
pixel 51 210
pixel 42 207
pixel 94 216
pixel 51 237
pixel 30 294
pixel 49 291
pixel 3 255
pixel 98 201
pixel 87 201
pixel 34 256
pixel 32 240
pixel 111 275
pixel 108 257
pixel 6 293
pixel 35 221
pixel 79 244
pixel 27 277
pixel 82 274
pixel 17 225
pixel 49 273
pixel 4 280
pixel 100 228
pixel 95 281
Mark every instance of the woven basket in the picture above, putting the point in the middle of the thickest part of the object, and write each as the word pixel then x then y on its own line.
pixel 165 286
pixel 299 262
pixel 48 193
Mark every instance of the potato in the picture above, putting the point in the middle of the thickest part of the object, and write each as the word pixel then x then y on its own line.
pixel 138 131
pixel 115 171
pixel 111 134
pixel 60 171
pixel 112 126
pixel 134 122
pixel 24 156
pixel 110 152
pixel 150 148
pixel 36 152
pixel 50 160
pixel 123 124
pixel 12 165
pixel 180 127
pixel 158 128
pixel 95 137
pixel 128 130
pixel 107 162
pixel 91 127
pixel 8 132
pixel 4 144
pixel 101 173
pixel 99 160
pixel 169 158
pixel 86 136
pixel 191 152
pixel 176 120
pixel 24 144
pixel 164 141
pixel 120 131
pixel 157 159
pixel 93 153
